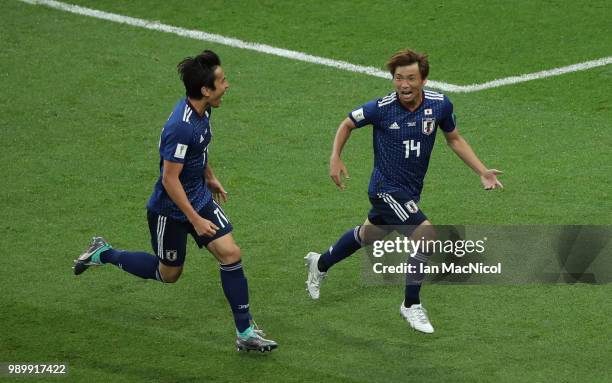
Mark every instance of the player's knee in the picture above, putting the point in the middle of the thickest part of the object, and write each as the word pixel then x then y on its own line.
pixel 426 231
pixel 231 254
pixel 171 279
pixel 171 276
pixel 369 234
pixel 365 240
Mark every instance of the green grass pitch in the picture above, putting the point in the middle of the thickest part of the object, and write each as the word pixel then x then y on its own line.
pixel 83 102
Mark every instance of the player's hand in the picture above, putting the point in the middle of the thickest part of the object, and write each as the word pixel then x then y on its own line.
pixel 204 227
pixel 489 179
pixel 219 194
pixel 337 169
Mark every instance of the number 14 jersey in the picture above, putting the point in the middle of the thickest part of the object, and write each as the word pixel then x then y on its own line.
pixel 403 140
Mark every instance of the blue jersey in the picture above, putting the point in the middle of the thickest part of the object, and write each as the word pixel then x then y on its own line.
pixel 185 140
pixel 403 140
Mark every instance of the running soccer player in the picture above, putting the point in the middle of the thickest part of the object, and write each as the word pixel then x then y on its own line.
pixel 405 123
pixel 185 202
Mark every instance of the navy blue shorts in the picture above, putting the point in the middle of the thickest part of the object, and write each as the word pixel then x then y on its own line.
pixel 169 236
pixel 395 210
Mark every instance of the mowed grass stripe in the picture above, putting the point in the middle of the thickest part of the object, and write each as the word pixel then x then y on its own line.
pixel 299 56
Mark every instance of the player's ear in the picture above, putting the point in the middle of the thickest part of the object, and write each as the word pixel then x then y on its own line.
pixel 205 91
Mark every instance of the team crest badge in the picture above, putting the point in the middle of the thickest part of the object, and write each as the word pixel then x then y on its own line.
pixel 428 125
pixel 411 206
pixel 171 255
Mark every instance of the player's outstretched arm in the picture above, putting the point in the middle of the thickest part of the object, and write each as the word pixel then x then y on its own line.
pixel 337 169
pixel 488 177
pixel 219 193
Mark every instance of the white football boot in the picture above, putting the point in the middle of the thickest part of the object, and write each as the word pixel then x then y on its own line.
pixel 416 316
pixel 315 277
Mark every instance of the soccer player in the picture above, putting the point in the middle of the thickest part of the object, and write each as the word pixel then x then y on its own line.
pixel 185 201
pixel 404 123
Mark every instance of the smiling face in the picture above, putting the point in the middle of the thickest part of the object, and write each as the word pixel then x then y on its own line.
pixel 409 85
pixel 214 97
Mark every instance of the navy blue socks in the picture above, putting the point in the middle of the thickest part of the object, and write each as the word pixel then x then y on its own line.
pixel 236 291
pixel 346 245
pixel 414 280
pixel 411 295
pixel 143 265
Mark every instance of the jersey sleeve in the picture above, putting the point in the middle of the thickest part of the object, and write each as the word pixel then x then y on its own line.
pixel 365 114
pixel 175 141
pixel 448 121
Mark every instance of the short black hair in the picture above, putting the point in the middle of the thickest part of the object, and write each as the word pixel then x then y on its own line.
pixel 197 72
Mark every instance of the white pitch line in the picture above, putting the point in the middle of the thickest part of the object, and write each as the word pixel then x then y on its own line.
pixel 534 76
pixel 299 56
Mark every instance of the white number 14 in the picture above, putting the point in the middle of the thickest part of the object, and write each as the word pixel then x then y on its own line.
pixel 412 145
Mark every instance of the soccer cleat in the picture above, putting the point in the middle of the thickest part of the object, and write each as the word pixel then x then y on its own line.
pixel 315 277
pixel 256 328
pixel 91 256
pixel 252 339
pixel 416 315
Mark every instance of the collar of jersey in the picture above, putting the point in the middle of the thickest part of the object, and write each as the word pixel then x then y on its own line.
pixel 195 112
pixel 408 110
